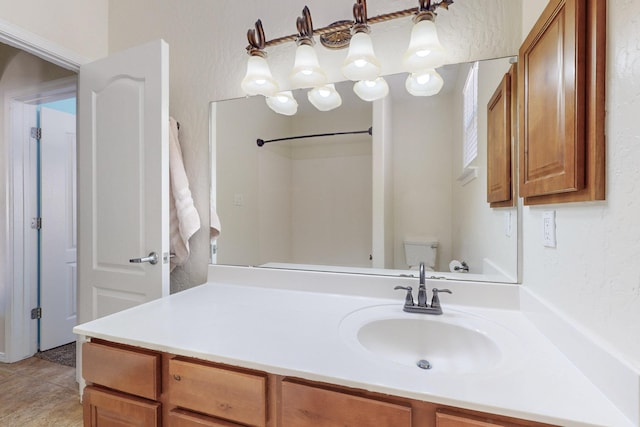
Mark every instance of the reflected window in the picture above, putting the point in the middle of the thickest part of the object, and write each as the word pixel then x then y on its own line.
pixel 470 117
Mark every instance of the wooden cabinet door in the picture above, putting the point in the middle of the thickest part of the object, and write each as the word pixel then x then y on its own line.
pixel 499 176
pixel 307 406
pixel 552 93
pixel 103 408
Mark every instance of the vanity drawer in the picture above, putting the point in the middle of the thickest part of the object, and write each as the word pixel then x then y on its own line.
pixel 307 406
pixel 129 370
pixel 232 395
pixel 180 418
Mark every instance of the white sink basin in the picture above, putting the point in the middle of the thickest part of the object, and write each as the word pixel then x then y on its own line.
pixel 453 343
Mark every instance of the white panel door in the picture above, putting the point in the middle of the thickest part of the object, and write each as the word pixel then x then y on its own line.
pixel 123 180
pixel 58 240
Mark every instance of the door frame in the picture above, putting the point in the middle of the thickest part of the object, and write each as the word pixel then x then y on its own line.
pixel 21 332
pixel 16 305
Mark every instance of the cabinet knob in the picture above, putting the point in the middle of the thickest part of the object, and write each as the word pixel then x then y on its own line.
pixel 177 377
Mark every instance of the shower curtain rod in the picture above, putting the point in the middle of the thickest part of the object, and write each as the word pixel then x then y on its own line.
pixel 261 142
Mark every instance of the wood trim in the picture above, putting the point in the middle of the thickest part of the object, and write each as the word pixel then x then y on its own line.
pixel 43 48
pixel 595 152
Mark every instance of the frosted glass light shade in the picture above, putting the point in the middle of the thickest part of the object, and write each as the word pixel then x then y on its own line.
pixel 283 103
pixel 361 62
pixel 258 80
pixel 424 83
pixel 325 98
pixel 371 90
pixel 425 50
pixel 306 70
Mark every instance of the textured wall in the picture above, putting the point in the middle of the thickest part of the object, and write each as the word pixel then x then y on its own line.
pixel 78 25
pixel 593 274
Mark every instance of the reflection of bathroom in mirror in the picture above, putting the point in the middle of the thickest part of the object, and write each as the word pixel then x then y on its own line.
pixel 351 202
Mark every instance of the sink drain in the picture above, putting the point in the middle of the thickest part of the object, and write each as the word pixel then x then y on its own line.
pixel 424 364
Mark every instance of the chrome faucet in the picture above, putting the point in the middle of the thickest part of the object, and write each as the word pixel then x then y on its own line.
pixel 422 306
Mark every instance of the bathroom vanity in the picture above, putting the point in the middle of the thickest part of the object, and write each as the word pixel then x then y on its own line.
pixel 291 349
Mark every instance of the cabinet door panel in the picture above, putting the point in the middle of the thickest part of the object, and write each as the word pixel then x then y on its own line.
pixel 306 406
pixel 103 408
pixel 232 395
pixel 552 102
pixel 499 145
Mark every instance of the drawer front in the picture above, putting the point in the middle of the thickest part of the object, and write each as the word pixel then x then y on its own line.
pixel 104 408
pixel 307 406
pixel 121 369
pixel 179 418
pixel 446 420
pixel 235 396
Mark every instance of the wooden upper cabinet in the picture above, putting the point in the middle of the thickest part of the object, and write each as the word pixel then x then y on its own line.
pixel 561 104
pixel 499 135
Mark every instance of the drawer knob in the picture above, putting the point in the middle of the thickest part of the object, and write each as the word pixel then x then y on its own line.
pixel 177 377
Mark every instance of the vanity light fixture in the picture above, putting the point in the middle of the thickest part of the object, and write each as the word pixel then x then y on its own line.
pixel 258 79
pixel 283 103
pixel 425 51
pixel 325 98
pixel 424 55
pixel 370 90
pixel 424 83
pixel 361 62
pixel 306 72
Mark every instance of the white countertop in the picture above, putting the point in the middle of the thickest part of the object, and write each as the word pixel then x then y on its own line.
pixel 296 333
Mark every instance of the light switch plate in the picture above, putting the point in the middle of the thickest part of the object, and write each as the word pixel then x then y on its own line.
pixel 549 228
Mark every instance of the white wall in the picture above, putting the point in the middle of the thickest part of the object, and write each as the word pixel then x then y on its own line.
pixel 77 25
pixel 331 189
pixel 593 275
pixel 422 149
pixel 307 201
pixel 250 180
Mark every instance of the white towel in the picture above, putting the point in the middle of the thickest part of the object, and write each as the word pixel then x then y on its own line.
pixel 184 220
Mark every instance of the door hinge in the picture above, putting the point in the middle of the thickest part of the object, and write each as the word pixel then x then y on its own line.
pixel 36 313
pixel 36 133
pixel 36 223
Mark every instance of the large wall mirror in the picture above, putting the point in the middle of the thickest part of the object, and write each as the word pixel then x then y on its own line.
pixel 356 202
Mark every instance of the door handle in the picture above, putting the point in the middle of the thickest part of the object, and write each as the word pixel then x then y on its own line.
pixel 151 259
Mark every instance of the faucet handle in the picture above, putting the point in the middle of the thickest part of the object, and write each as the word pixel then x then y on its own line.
pixel 435 300
pixel 408 301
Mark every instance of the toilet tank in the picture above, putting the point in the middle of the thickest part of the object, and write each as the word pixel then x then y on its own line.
pixel 417 251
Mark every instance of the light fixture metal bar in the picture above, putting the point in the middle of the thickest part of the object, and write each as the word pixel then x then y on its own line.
pixel 345 25
pixel 261 142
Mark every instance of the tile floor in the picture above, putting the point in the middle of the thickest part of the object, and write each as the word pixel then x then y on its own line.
pixel 38 393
